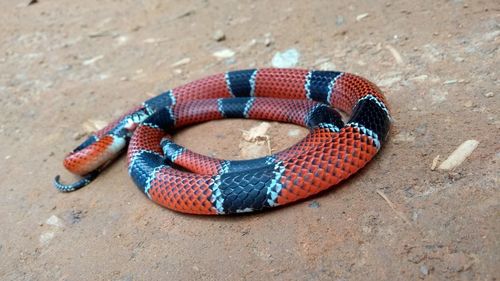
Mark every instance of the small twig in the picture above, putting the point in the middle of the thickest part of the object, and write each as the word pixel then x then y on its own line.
pixel 186 14
pixel 393 207
pixel 395 54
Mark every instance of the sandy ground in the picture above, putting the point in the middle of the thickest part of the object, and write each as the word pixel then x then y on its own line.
pixel 67 65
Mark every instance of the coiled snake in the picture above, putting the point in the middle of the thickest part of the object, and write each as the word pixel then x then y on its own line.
pixel 185 181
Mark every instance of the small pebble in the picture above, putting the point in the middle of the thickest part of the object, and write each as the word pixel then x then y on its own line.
pixel 339 20
pixel 424 270
pixel 288 58
pixel 449 82
pixel 120 40
pixel 327 66
pixel 230 61
pixel 268 41
pixel 252 42
pixel 104 76
pixel 46 237
pixel 54 221
pixel 468 104
pixel 489 94
pixel 219 35
pixel 314 205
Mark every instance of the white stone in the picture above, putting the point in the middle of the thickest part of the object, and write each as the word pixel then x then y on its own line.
pixel 223 54
pixel 288 58
pixel 54 221
pixel 46 237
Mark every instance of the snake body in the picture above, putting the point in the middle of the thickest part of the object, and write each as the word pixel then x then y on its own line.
pixel 185 181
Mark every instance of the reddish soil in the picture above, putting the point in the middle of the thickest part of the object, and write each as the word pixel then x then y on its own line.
pixel 63 63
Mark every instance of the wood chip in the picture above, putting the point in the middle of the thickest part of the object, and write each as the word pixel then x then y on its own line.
pixel 395 54
pixel 154 40
pixel 181 62
pixel 361 16
pixel 435 161
pixel 256 142
pixel 93 125
pixel 459 155
pixel 419 78
pixel 223 54
pixel 93 60
pixel 257 133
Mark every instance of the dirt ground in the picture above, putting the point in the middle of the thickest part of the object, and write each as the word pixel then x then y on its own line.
pixel 66 66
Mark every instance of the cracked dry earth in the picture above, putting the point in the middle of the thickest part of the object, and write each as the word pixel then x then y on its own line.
pixel 69 66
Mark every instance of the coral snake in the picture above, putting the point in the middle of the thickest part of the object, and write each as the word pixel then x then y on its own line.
pixel 182 180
